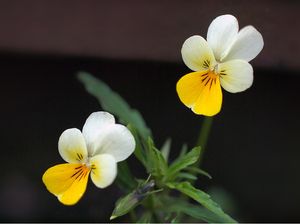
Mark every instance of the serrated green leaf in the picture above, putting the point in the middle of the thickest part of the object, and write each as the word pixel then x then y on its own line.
pixel 157 164
pixel 201 197
pixel 165 149
pixel 183 162
pixel 114 103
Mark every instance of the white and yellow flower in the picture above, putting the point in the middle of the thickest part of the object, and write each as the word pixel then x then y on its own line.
pixel 96 151
pixel 221 60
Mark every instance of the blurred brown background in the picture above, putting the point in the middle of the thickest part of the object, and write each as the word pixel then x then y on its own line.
pixel 134 46
pixel 133 29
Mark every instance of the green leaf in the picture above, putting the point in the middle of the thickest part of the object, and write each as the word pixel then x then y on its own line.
pixel 125 205
pixel 197 170
pixel 183 150
pixel 179 205
pixel 199 213
pixel 114 103
pixel 186 176
pixel 183 162
pixel 201 197
pixel 133 199
pixel 125 179
pixel 223 198
pixel 157 164
pixel 165 149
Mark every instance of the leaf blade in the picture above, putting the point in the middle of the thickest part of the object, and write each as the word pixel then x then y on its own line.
pixel 114 103
pixel 201 197
pixel 157 164
pixel 182 162
pixel 196 212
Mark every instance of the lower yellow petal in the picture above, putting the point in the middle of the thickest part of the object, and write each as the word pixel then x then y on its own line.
pixel 67 182
pixel 201 91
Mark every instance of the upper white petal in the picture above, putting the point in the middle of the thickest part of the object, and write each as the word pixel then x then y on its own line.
pixel 195 51
pixel 95 124
pixel 117 141
pixel 221 34
pixel 248 44
pixel 238 75
pixel 72 147
pixel 104 170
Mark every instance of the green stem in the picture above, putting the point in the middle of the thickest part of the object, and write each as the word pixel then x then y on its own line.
pixel 203 136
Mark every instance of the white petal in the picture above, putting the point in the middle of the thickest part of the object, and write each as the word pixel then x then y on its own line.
pixel 196 53
pixel 94 125
pixel 72 147
pixel 103 170
pixel 221 33
pixel 238 75
pixel 117 141
pixel 248 44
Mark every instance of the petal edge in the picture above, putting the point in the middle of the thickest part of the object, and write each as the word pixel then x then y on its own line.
pixel 247 46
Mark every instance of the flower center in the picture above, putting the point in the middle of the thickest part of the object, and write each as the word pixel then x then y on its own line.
pixel 81 171
pixel 209 78
pixel 215 70
pixel 88 165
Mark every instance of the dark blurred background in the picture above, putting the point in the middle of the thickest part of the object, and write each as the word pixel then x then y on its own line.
pixel 134 46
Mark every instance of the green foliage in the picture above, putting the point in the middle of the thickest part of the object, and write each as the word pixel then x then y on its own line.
pixel 184 175
pixel 165 149
pixel 156 164
pixel 154 195
pixel 201 197
pixel 140 147
pixel 133 199
pixel 196 170
pixel 125 205
pixel 114 103
pixel 182 162
pixel 180 205
pixel 125 179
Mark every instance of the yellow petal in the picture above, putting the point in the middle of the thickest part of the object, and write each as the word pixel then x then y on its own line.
pixel 201 91
pixel 67 182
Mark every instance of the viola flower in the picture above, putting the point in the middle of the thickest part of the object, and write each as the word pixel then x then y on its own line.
pixel 221 60
pixel 96 151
